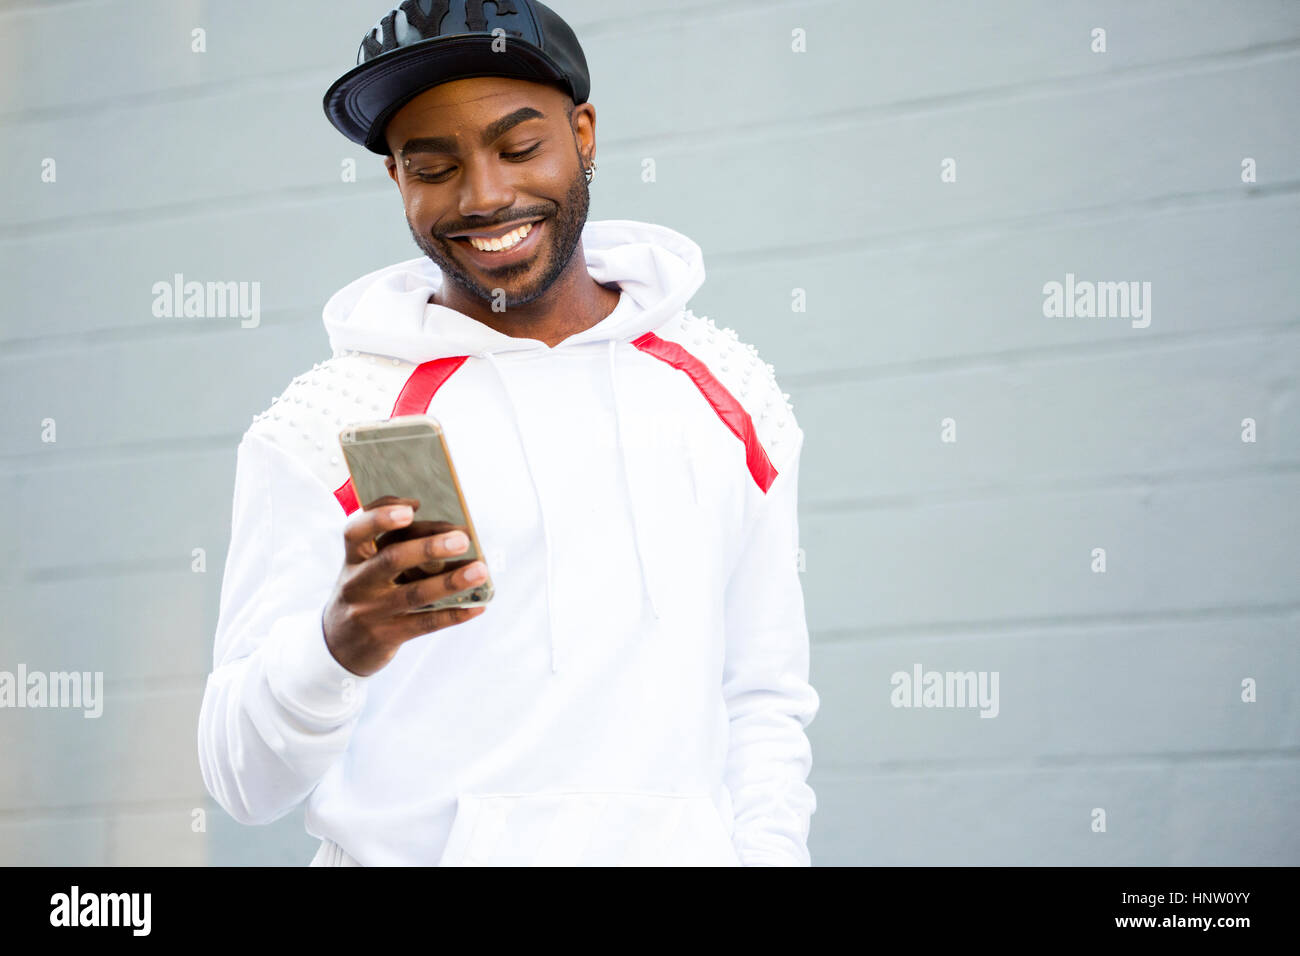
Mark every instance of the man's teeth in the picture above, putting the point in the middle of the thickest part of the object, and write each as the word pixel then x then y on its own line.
pixel 505 242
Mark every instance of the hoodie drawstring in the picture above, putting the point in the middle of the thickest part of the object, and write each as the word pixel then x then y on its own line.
pixel 541 507
pixel 627 478
pixel 627 485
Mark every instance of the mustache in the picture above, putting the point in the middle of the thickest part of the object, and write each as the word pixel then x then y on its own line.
pixel 474 227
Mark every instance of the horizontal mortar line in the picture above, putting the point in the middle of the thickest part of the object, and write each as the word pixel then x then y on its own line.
pixel 979 230
pixel 1007 94
pixel 1042 763
pixel 45 458
pixel 1032 357
pixel 139 688
pixel 1144 484
pixel 131 453
pixel 1183 66
pixel 153 330
pixel 1027 224
pixel 58 345
pixel 42 6
pixel 322 75
pixel 283 198
pixel 579 25
pixel 126 453
pixel 94 811
pixel 1029 626
pixel 269 82
pixel 651 19
pixel 124 567
pixel 900 241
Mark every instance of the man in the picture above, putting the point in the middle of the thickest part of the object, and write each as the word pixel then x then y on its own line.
pixel 637 690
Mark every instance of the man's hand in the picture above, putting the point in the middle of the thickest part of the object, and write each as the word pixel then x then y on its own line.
pixel 368 616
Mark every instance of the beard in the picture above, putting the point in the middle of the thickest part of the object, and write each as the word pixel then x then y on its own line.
pixel 563 233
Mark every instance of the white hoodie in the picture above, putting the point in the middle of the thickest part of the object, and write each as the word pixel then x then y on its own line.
pixel 637 690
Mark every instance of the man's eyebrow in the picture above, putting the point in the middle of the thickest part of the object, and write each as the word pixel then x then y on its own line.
pixel 446 144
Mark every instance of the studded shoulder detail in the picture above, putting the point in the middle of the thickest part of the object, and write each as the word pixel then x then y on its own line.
pixel 306 418
pixel 740 369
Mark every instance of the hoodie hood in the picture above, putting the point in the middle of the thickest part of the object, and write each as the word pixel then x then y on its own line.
pixel 388 312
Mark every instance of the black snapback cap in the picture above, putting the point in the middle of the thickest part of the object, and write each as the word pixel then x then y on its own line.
pixel 422 43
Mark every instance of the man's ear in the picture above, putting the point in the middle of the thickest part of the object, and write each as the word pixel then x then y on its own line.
pixel 583 124
pixel 391 165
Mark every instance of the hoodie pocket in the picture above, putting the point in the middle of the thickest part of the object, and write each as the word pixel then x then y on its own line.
pixel 588 828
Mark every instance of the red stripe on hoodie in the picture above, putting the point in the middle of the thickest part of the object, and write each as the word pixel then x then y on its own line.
pixel 413 399
pixel 729 409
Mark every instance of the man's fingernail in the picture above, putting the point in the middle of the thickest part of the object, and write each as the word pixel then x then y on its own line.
pixel 475 572
pixel 402 513
pixel 457 541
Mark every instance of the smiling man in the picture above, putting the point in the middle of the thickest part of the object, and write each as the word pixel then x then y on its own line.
pixel 637 691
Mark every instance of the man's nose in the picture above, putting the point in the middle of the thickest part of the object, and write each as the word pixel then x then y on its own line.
pixel 485 189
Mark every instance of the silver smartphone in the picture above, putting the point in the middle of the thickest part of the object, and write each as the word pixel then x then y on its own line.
pixel 407 457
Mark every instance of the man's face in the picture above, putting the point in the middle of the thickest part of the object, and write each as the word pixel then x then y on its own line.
pixel 481 154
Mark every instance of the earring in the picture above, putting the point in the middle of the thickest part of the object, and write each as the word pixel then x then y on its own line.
pixel 591 172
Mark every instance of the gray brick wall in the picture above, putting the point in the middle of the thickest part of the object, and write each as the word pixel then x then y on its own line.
pixel 818 171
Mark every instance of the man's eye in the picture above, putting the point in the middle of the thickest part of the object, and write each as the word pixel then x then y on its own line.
pixel 441 174
pixel 521 154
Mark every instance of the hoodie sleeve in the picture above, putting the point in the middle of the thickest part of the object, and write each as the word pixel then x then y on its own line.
pixel 278 709
pixel 765 684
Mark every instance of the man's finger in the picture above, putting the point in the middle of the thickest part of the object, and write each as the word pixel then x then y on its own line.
pixel 427 590
pixel 364 526
pixel 414 625
pixel 395 559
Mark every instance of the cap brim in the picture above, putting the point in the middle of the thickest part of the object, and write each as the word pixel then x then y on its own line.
pixel 362 101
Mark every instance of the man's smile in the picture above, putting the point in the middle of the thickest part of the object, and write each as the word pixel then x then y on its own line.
pixel 506 245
